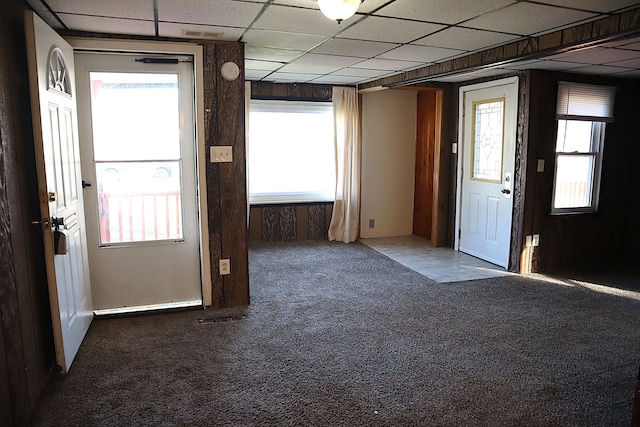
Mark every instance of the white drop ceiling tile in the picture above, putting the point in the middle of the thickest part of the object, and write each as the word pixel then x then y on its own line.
pixel 219 12
pixel 594 5
pixel 207 32
pixel 417 53
pixel 255 74
pixel 108 25
pixel 270 54
pixel 295 20
pixel 252 64
pixel 522 65
pixel 361 72
pixel 309 4
pixel 371 5
pixel 557 66
pixel 602 70
pixel 112 8
pixel 466 39
pixel 337 79
pixel 634 74
pixel 630 63
pixel 631 44
pixel 389 30
pixel 293 77
pixel 357 48
pixel 386 64
pixel 527 18
pixel 279 39
pixel 319 64
pixel 444 11
pixel 597 55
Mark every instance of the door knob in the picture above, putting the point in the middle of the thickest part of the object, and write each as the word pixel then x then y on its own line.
pixel 506 191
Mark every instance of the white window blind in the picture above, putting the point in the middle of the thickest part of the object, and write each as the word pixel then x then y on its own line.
pixel 578 101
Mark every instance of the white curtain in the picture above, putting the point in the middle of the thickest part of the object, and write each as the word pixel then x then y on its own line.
pixel 346 209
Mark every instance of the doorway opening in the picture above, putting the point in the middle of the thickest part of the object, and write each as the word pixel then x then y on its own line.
pixel 138 158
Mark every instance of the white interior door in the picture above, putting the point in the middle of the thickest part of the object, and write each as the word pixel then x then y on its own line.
pixel 53 100
pixel 138 156
pixel 489 116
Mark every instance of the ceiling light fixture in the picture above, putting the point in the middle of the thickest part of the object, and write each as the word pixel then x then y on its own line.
pixel 339 10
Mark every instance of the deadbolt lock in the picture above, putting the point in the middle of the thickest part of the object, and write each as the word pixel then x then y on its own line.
pixel 52 196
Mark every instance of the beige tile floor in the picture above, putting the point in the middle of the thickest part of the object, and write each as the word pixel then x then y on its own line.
pixel 439 264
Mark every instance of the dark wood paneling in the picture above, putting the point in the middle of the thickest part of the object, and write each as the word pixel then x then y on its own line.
pixel 226 182
pixel 25 322
pixel 271 224
pixel 290 91
pixel 596 238
pixel 288 226
pixel 301 221
pixel 318 226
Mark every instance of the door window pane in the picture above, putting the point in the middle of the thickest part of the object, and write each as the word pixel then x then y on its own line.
pixel 135 116
pixel 136 135
pixel 488 129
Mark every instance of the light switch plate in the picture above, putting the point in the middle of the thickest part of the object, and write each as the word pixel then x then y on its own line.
pixel 221 154
pixel 540 167
pixel 454 148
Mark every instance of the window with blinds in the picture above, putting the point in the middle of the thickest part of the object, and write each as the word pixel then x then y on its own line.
pixel 582 113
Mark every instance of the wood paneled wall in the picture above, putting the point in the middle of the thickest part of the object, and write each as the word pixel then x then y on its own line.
pixel 291 91
pixel 26 340
pixel 612 233
pixel 278 223
pixel 226 182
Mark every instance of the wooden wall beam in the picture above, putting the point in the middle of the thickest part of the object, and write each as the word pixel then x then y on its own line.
pixel 226 182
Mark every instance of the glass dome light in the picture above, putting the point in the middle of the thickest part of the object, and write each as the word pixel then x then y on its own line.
pixel 339 10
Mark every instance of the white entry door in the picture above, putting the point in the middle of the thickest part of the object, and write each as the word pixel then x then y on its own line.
pixel 489 116
pixel 138 157
pixel 53 100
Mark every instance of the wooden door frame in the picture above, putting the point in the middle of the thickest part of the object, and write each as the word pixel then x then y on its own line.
pixel 460 151
pixel 134 46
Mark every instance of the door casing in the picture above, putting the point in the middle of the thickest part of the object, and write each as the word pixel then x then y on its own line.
pixel 460 151
pixel 114 45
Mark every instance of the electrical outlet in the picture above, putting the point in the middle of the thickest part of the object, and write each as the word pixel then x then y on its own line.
pixel 372 223
pixel 225 267
pixel 535 241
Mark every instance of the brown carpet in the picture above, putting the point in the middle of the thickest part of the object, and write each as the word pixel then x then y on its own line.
pixel 339 335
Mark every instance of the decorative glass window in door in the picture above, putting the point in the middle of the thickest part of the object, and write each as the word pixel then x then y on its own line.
pixel 488 137
pixel 57 76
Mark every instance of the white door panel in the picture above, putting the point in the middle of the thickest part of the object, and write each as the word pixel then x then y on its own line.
pixel 488 128
pixel 53 100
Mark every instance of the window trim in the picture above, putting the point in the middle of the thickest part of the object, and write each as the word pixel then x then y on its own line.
pixel 597 170
pixel 284 106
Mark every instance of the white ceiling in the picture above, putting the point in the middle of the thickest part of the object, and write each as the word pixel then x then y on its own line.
pixel 291 41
